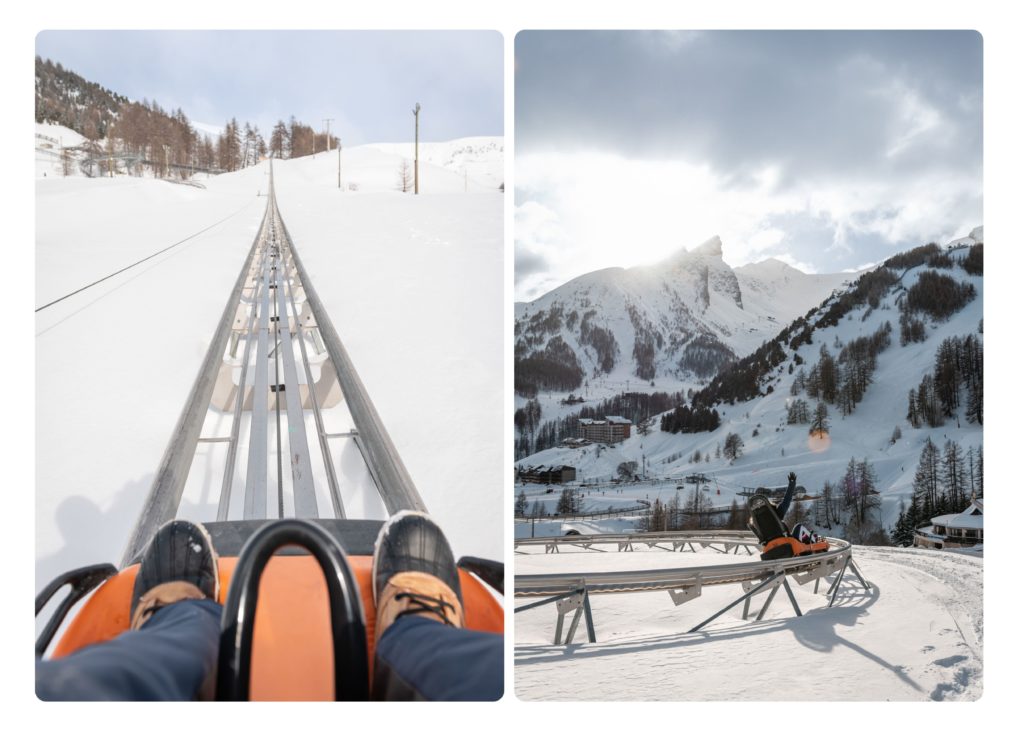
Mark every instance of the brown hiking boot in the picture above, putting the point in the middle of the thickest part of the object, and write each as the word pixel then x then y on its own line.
pixel 178 564
pixel 414 573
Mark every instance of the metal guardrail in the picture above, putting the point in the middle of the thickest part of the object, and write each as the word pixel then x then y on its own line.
pixel 571 591
pixel 606 514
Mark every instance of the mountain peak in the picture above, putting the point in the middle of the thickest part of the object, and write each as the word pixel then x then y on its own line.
pixel 710 247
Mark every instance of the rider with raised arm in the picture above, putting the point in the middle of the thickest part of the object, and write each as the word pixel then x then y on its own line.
pixel 799 532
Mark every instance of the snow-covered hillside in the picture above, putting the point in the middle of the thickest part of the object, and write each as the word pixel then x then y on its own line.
pixel 917 635
pixel 50 138
pixel 772 447
pixel 115 363
pixel 672 324
pixel 479 161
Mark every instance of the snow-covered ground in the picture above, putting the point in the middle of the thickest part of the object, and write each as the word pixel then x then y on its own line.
pixel 413 286
pixel 915 636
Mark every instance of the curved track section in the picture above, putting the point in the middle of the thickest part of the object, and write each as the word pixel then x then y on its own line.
pixel 570 592
pixel 674 578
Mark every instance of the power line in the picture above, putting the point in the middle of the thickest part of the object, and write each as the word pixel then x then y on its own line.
pixel 154 255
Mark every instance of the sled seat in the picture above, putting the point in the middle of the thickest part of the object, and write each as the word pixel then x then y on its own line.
pixel 292 657
pixel 776 540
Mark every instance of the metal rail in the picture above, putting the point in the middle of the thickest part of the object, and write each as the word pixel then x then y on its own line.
pixel 571 591
pixel 385 465
pixel 165 494
pixel 264 301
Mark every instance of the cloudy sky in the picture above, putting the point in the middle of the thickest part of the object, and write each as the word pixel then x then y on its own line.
pixel 828 150
pixel 368 81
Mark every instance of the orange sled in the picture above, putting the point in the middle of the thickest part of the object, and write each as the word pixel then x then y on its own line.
pixel 775 538
pixel 298 612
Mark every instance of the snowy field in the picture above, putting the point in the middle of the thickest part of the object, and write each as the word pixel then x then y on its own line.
pixel 412 284
pixel 915 636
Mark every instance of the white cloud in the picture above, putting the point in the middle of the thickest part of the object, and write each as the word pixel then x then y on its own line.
pixel 590 210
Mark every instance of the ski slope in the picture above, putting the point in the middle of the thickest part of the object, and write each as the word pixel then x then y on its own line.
pixel 915 636
pixel 411 284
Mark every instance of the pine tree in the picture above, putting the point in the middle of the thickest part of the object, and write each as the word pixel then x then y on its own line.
pixel 827 374
pixel 867 489
pixel 926 483
pixel 913 413
pixel 954 474
pixel 828 504
pixel 279 140
pixel 733 448
pixel 521 504
pixel 979 474
pixel 819 423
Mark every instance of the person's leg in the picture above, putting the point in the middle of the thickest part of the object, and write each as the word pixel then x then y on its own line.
pixel 422 659
pixel 174 633
pixel 167 659
pixel 805 535
pixel 424 651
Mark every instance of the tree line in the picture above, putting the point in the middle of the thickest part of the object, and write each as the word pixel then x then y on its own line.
pixel 959 370
pixel 162 141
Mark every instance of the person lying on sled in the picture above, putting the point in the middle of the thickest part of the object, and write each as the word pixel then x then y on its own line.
pixel 799 532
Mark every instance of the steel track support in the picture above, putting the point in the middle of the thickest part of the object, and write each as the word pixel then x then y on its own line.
pixel 834 590
pixel 746 596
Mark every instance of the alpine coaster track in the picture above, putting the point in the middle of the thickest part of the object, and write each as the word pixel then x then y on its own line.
pixel 570 592
pixel 272 337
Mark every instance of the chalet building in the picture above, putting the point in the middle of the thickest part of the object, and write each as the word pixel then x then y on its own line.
pixel 950 531
pixel 608 430
pixel 548 474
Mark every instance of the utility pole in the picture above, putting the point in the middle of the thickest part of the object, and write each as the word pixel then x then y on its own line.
pixel 327 144
pixel 416 161
pixel 339 165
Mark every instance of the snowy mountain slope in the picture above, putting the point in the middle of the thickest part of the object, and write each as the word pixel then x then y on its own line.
pixel 917 635
pixel 676 321
pixel 778 447
pixel 115 363
pixel 479 160
pixel 49 138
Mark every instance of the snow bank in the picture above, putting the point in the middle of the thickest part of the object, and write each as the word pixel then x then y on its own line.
pixel 916 635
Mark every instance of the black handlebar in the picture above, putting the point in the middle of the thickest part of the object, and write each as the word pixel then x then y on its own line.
pixel 348 627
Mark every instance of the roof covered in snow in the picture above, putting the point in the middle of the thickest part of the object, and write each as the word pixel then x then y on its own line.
pixel 970 518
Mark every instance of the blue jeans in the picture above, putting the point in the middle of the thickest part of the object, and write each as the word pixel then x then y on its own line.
pixel 167 659
pixel 172 654
pixel 421 659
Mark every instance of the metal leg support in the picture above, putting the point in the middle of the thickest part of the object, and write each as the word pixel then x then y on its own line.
pixel 768 602
pixel 856 572
pixel 835 586
pixel 792 598
pixel 746 596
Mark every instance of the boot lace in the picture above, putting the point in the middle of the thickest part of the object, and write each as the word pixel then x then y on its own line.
pixel 419 603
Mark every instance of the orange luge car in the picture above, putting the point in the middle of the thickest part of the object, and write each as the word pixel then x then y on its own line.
pixel 776 540
pixel 298 607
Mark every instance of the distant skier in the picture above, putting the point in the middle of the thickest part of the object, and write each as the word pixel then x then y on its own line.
pixel 799 532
